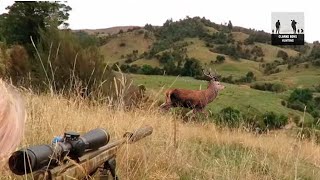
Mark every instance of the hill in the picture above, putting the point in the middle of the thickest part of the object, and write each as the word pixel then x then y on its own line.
pixel 107 31
pixel 162 50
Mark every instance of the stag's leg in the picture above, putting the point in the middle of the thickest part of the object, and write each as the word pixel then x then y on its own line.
pixel 165 106
pixel 168 104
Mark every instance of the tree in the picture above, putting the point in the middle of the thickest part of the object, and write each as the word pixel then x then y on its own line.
pixel 25 19
pixel 220 59
pixel 230 26
pixel 302 95
pixel 192 67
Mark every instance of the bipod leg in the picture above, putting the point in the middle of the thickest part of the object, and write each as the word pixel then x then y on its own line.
pixel 110 166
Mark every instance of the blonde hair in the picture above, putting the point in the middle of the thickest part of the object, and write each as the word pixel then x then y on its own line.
pixel 12 121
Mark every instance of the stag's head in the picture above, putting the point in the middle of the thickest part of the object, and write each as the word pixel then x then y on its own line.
pixel 214 81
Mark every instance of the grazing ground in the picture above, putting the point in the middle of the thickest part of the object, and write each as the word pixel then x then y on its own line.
pixel 201 151
pixel 241 97
pixel 117 48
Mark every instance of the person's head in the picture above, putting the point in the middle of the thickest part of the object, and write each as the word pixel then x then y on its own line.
pixel 12 121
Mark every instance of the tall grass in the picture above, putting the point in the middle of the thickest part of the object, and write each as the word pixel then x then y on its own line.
pixel 201 150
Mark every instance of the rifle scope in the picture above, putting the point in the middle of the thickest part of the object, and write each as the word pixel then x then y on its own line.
pixel 36 157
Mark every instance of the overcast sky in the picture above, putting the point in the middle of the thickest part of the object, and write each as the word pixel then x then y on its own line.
pixel 93 14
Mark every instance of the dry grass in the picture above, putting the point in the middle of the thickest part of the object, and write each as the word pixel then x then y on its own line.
pixel 112 51
pixel 239 36
pixel 203 151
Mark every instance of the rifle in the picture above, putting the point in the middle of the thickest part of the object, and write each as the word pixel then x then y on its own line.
pixel 74 156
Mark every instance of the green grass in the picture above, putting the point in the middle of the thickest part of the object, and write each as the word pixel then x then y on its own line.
pixel 270 52
pixel 297 77
pixel 241 97
pixel 152 62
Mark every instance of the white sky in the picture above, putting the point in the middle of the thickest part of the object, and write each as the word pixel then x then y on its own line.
pixel 94 14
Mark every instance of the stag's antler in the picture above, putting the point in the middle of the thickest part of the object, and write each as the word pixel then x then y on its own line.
pixel 211 76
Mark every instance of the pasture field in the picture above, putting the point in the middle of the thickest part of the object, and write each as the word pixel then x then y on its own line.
pixel 241 97
pixel 201 150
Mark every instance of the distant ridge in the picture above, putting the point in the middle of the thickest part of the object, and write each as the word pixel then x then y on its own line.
pixel 106 31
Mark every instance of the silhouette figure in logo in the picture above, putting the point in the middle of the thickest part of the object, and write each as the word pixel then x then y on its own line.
pixel 278 27
pixel 272 31
pixel 298 31
pixel 293 25
pixel 301 31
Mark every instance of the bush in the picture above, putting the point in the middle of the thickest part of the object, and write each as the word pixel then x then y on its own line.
pixel 269 87
pixel 317 88
pixel 257 51
pixel 302 95
pixel 146 69
pixel 17 65
pixel 316 62
pixel 228 50
pixel 274 121
pixel 220 59
pixel 228 79
pixel 229 117
pixel 191 68
pixel 278 88
pixel 282 54
pixel 70 59
pixel 122 44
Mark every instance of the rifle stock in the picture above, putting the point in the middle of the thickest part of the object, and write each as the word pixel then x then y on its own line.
pixel 91 161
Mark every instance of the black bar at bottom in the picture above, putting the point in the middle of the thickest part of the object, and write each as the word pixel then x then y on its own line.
pixel 287 39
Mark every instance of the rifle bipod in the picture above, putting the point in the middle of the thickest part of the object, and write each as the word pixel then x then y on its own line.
pixel 109 168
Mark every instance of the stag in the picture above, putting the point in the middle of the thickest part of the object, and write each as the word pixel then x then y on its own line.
pixel 196 100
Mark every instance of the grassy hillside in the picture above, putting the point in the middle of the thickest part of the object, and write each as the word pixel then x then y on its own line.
pixel 241 97
pixel 123 44
pixel 107 31
pixel 202 150
pixel 272 51
pixel 243 51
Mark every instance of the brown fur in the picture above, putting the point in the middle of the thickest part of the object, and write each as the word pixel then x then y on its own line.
pixel 192 99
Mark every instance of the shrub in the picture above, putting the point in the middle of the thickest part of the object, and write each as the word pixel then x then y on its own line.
pixel 146 69
pixel 17 65
pixel 66 60
pixel 274 121
pixel 228 50
pixel 122 44
pixel 278 88
pixel 257 51
pixel 282 54
pixel 191 67
pixel 228 79
pixel 229 117
pixel 302 95
pixel 220 59
pixel 269 87
pixel 316 62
